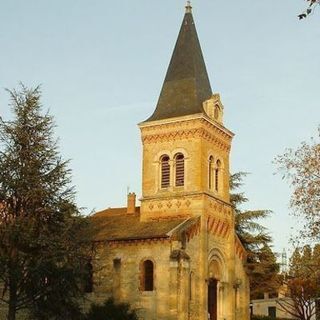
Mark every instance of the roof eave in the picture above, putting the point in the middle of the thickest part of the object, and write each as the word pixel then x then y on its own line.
pixel 132 238
pixel 146 124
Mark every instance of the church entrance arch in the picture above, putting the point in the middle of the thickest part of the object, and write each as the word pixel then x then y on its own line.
pixel 215 286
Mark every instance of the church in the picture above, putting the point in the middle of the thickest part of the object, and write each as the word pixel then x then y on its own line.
pixel 177 255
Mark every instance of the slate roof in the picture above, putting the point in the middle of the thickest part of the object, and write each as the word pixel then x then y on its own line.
pixel 186 85
pixel 116 224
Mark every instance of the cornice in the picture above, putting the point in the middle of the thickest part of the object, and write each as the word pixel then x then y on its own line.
pixel 159 197
pixel 198 116
pixel 184 128
pixel 205 131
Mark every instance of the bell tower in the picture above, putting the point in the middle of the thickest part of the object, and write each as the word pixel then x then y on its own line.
pixel 186 146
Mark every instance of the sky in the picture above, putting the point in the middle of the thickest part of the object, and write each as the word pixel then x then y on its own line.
pixel 101 65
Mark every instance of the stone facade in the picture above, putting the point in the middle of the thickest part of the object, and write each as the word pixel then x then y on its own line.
pixel 183 269
pixel 177 256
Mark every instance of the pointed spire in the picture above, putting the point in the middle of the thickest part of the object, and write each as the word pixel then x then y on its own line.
pixel 186 85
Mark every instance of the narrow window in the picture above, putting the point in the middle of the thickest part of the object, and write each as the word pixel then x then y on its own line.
pixel 88 286
pixel 179 166
pixel 210 177
pixel 147 276
pixel 165 171
pixel 217 175
pixel 117 264
pixel 216 112
pixel 116 278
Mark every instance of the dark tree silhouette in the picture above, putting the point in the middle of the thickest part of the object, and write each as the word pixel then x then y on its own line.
pixel 43 238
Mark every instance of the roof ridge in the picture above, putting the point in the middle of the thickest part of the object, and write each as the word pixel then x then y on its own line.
pixel 116 211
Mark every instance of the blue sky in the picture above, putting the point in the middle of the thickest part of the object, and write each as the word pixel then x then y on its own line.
pixel 101 65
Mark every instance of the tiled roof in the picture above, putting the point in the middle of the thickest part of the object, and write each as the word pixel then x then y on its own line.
pixel 114 211
pixel 116 224
pixel 186 85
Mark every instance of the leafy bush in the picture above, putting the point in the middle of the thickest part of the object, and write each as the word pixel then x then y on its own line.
pixel 110 310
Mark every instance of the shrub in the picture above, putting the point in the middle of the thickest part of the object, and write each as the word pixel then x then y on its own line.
pixel 110 310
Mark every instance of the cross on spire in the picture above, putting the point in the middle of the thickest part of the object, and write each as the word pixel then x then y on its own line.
pixel 188 7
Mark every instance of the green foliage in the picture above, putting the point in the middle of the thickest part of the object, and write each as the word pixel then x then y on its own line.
pixel 305 262
pixel 109 310
pixel 43 238
pixel 251 233
pixel 263 271
pixel 262 267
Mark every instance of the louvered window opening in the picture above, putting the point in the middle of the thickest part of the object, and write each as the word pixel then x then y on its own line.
pixel 165 172
pixel 148 275
pixel 179 170
pixel 217 179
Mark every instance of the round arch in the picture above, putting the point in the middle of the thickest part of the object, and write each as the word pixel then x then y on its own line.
pixel 147 279
pixel 217 276
pixel 217 265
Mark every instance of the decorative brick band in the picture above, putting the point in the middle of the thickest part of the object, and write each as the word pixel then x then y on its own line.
pixel 186 134
pixel 218 227
pixel 240 250
pixel 193 230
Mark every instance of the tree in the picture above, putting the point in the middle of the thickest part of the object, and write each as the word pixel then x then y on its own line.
pixel 296 263
pixel 303 284
pixel 311 7
pixel 111 311
pixel 316 256
pixel 304 262
pixel 301 304
pixel 301 167
pixel 43 237
pixel 261 264
pixel 263 272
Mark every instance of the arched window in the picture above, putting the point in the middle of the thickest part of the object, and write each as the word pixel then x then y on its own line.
pixel 217 181
pixel 210 172
pixel 179 167
pixel 147 276
pixel 165 171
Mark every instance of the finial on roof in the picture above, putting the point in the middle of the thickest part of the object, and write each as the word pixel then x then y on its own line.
pixel 188 7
